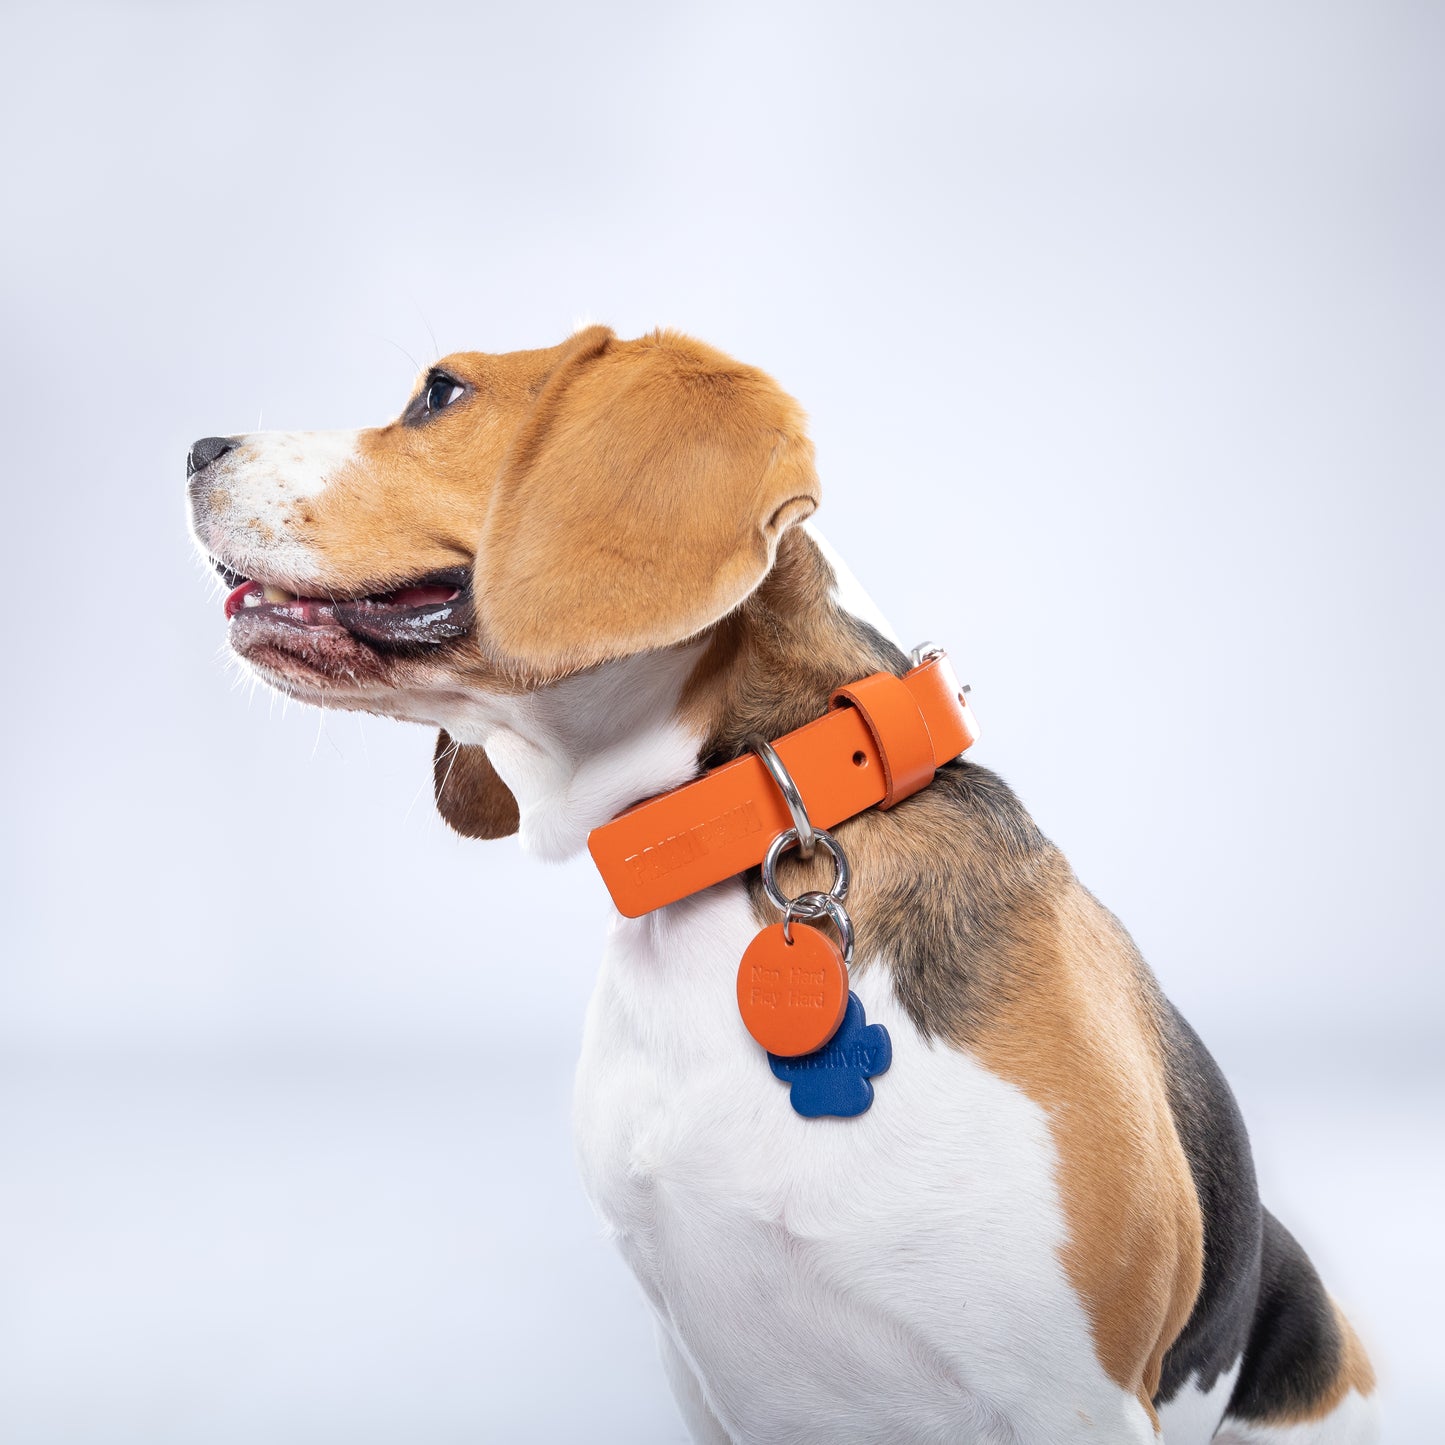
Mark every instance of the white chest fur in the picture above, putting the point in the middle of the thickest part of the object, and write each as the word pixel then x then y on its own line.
pixel 890 1277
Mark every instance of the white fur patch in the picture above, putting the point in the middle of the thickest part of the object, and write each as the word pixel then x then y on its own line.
pixel 1354 1421
pixel 1193 1415
pixel 701 1423
pixel 848 593
pixel 577 753
pixel 302 461
pixel 890 1277
pixel 262 480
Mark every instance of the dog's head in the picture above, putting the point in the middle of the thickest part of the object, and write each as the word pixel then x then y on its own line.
pixel 528 516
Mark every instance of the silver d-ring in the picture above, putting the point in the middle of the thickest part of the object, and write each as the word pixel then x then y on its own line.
pixel 785 839
pixel 802 827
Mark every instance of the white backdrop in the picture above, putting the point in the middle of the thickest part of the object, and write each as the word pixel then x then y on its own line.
pixel 1120 333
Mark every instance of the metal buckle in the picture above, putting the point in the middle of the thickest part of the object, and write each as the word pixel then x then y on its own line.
pixel 925 652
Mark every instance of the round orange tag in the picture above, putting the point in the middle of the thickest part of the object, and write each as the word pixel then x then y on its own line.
pixel 792 995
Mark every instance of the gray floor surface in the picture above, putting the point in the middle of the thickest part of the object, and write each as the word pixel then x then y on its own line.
pixel 395 1248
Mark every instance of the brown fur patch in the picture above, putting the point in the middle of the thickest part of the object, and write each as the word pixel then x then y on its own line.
pixel 1075 1033
pixel 416 500
pixel 1356 1371
pixel 643 498
pixel 469 794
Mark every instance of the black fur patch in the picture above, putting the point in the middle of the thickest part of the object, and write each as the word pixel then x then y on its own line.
pixel 1295 1351
pixel 1217 1147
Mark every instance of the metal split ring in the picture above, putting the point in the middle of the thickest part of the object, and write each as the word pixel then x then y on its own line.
pixel 843 875
pixel 812 906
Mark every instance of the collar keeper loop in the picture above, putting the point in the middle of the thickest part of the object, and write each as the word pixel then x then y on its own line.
pixel 900 733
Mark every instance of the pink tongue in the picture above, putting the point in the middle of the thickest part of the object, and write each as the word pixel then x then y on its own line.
pixel 407 597
pixel 233 601
pixel 420 596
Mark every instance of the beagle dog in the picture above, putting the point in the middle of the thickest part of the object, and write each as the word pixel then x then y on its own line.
pixel 590 567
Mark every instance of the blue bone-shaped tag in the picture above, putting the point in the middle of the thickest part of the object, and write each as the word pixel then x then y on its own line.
pixel 834 1079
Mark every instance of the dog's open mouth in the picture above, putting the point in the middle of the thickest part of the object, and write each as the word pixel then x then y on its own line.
pixel 419 615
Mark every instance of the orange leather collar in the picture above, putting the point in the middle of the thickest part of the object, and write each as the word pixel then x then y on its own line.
pixel 882 740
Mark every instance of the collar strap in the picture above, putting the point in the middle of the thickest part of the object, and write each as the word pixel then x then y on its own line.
pixel 881 741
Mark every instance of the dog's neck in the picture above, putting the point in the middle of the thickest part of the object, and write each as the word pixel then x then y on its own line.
pixel 774 664
pixel 579 751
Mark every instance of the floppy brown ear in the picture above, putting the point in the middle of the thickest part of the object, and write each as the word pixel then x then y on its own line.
pixel 642 500
pixel 469 794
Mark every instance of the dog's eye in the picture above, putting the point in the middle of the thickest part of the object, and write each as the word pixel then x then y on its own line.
pixel 441 392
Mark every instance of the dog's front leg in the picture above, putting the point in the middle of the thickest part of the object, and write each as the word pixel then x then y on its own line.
pixel 701 1423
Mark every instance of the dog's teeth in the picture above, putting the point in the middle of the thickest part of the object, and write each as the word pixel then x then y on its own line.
pixel 277 594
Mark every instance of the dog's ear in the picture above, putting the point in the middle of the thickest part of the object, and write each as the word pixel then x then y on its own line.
pixel 642 500
pixel 469 794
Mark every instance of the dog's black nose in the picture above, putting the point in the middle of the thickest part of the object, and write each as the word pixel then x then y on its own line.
pixel 206 451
